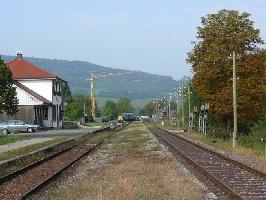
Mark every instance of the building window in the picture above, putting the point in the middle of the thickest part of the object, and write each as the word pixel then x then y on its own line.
pixel 53 88
pixel 45 113
pixel 57 89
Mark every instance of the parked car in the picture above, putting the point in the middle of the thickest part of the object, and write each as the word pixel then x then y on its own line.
pixel 104 119
pixel 13 126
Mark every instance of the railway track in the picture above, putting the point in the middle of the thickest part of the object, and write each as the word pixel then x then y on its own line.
pixel 21 184
pixel 233 180
pixel 30 179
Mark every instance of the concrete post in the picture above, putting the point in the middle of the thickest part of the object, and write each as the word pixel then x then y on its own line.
pixel 234 101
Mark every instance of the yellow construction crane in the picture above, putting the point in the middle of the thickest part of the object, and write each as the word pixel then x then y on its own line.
pixel 92 78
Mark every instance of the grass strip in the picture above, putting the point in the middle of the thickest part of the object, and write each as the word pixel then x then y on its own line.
pixel 92 124
pixel 6 139
pixel 29 148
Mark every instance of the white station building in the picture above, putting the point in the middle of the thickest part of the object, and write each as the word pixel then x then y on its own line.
pixel 39 93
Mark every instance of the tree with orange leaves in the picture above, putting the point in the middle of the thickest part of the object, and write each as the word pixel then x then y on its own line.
pixel 219 35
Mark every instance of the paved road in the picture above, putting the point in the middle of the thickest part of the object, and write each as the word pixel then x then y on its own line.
pixel 61 132
pixel 44 135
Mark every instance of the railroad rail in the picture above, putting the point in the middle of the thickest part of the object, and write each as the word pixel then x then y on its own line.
pixel 17 163
pixel 30 179
pixel 28 167
pixel 57 173
pixel 234 179
pixel 21 184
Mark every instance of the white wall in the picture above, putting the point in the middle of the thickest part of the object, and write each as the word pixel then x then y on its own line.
pixel 45 89
pixel 42 87
pixel 26 99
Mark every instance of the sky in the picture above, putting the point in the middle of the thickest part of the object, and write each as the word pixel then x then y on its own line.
pixel 147 35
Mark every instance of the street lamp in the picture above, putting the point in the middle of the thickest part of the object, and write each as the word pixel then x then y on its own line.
pixel 181 101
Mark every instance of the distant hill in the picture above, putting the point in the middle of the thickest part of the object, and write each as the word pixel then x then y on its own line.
pixel 137 85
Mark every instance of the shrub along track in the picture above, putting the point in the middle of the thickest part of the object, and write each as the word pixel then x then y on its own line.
pixel 29 180
pixel 228 178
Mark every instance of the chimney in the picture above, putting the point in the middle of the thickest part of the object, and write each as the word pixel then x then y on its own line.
pixel 19 55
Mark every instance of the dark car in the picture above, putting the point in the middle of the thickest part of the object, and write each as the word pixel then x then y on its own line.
pixel 104 119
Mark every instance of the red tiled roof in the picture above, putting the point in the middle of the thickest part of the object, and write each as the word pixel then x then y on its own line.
pixel 31 92
pixel 22 69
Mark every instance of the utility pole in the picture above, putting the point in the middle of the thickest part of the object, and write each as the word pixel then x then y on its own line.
pixel 5 115
pixel 92 79
pixel 201 114
pixel 155 109
pixel 177 108
pixel 206 109
pixel 189 110
pixel 169 106
pixel 193 114
pixel 182 93
pixel 155 114
pixel 93 99
pixel 234 100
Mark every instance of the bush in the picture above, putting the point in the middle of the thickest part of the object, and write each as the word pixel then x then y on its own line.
pixel 70 125
pixel 219 132
pixel 259 128
pixel 73 111
pixel 252 142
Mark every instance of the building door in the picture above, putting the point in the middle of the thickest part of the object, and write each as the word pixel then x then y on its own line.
pixel 38 116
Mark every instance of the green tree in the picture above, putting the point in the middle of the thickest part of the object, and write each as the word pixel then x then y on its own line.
pixel 124 106
pixel 110 110
pixel 66 93
pixel 173 105
pixel 8 99
pixel 73 111
pixel 79 99
pixel 148 109
pixel 221 34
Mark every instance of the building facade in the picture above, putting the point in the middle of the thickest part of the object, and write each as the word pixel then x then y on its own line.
pixel 39 93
